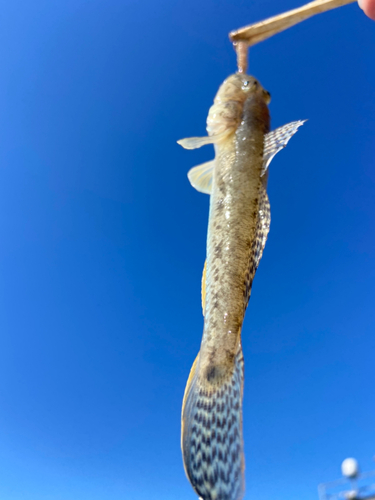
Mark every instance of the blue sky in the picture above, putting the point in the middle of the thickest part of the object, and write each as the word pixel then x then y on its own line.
pixel 103 244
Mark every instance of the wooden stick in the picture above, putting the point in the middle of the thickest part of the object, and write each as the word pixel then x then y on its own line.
pixel 258 32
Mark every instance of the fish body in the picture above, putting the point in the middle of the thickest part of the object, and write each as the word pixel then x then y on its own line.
pixel 238 126
pixel 234 212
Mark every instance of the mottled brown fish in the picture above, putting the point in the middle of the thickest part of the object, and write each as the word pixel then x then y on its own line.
pixel 238 125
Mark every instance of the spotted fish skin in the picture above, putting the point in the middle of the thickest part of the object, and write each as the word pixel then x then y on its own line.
pixel 239 221
pixel 232 241
pixel 212 443
pixel 212 439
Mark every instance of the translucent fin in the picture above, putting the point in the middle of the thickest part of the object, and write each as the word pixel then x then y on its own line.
pixel 200 177
pixel 198 142
pixel 262 229
pixel 211 440
pixel 204 286
pixel 189 382
pixel 263 225
pixel 195 142
pixel 277 139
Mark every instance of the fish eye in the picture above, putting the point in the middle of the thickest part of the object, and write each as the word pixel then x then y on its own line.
pixel 249 84
pixel 246 85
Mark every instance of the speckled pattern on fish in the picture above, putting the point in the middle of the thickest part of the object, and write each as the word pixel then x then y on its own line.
pixel 239 221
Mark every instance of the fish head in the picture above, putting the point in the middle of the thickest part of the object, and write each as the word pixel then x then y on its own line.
pixel 239 87
pixel 225 114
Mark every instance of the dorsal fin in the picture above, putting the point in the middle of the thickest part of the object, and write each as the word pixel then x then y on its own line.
pixel 261 233
pixel 277 139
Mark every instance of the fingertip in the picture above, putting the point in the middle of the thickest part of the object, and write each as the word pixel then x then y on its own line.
pixel 368 6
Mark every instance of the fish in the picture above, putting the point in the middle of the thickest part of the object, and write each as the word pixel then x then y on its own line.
pixel 238 125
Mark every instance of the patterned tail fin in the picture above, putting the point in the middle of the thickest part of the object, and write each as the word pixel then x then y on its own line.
pixel 211 440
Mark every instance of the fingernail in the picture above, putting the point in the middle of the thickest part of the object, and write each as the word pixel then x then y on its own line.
pixel 360 2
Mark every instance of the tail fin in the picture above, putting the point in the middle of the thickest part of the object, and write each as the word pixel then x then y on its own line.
pixel 211 440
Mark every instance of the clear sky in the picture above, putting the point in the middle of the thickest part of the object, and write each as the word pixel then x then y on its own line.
pixel 103 243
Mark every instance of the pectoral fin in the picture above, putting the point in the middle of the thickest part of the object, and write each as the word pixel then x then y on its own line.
pixel 198 142
pixel 200 177
pixel 276 140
